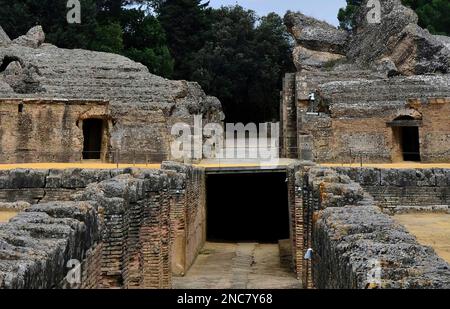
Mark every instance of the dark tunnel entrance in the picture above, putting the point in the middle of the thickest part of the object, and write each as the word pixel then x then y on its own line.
pixel 247 207
pixel 410 143
pixel 93 134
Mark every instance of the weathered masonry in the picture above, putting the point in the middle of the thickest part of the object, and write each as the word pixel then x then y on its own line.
pixel 60 105
pixel 352 237
pixel 392 129
pixel 380 93
pixel 54 130
pixel 123 227
pixel 137 228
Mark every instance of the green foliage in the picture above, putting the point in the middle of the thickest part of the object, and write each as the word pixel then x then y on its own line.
pixel 230 52
pixel 106 25
pixel 186 25
pixel 238 58
pixel 346 15
pixel 108 38
pixel 434 15
pixel 18 16
pixel 145 42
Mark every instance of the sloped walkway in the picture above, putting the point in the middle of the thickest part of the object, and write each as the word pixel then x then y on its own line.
pixel 238 266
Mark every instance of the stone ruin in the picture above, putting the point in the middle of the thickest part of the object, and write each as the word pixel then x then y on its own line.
pixel 51 98
pixel 138 228
pixel 381 91
pixel 128 228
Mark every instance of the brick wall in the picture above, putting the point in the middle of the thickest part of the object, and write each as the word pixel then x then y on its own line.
pixel 392 188
pixel 351 236
pixel 139 215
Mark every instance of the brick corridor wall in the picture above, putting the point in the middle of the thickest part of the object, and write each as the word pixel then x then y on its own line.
pixel 136 230
pixel 137 214
pixel 299 199
pixel 349 232
pixel 195 215
pixel 187 214
pixel 91 268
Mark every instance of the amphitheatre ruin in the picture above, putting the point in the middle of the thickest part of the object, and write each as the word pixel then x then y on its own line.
pixel 358 196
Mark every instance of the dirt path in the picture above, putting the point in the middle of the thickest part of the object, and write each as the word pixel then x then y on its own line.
pixel 5 215
pixel 238 266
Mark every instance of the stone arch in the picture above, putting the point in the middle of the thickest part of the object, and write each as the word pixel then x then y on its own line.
pixel 406 137
pixel 95 131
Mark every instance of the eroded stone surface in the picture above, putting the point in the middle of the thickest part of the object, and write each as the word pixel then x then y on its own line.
pixel 141 105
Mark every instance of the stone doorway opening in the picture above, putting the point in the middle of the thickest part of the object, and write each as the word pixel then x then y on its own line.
pixel 406 139
pixel 247 207
pixel 93 131
pixel 410 143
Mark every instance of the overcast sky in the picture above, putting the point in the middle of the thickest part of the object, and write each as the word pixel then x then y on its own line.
pixel 321 9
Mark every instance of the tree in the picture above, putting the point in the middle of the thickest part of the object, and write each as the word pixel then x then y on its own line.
pixel 109 38
pixel 185 23
pixel 243 64
pixel 19 16
pixel 107 25
pixel 434 15
pixel 145 42
pixel 273 47
pixel 346 15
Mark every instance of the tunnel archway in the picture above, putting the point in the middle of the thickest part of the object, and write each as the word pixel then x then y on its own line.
pixel 93 138
pixel 406 138
pixel 247 207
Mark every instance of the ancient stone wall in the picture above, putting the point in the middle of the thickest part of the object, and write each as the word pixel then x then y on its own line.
pixel 142 107
pixel 49 130
pixel 357 125
pixel 38 186
pixel 188 216
pixel 37 244
pixel 394 189
pixel 362 82
pixel 136 227
pixel 355 245
pixel 288 118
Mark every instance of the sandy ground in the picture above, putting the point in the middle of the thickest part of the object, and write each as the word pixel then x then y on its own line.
pixel 100 165
pixel 90 165
pixel 238 266
pixel 5 215
pixel 212 164
pixel 430 229
pixel 401 165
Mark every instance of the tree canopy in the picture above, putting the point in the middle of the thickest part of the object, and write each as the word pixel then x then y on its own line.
pixel 232 53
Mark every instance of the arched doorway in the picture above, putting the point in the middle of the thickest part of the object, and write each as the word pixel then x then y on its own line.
pixel 93 138
pixel 406 138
